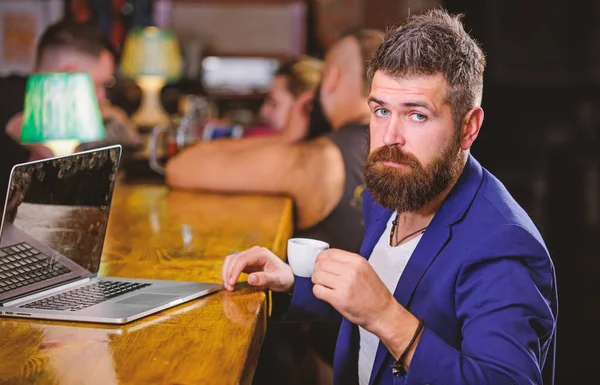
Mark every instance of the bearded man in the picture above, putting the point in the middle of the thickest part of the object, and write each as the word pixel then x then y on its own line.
pixel 453 284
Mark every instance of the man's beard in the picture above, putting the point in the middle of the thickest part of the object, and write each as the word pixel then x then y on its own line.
pixel 409 189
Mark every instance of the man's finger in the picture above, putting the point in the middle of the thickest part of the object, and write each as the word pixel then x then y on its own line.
pixel 338 255
pixel 325 294
pixel 330 266
pixel 261 279
pixel 225 269
pixel 231 277
pixel 327 254
pixel 341 267
pixel 251 257
pixel 329 280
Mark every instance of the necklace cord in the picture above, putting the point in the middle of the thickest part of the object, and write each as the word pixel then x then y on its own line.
pixel 394 231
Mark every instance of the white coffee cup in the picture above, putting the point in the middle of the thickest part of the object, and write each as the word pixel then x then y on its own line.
pixel 302 253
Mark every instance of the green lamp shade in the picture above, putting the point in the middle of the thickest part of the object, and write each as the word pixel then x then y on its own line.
pixel 151 51
pixel 61 106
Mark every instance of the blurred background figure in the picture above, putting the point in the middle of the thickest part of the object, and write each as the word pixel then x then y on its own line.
pixel 79 47
pixel 65 46
pixel 324 176
pixel 291 80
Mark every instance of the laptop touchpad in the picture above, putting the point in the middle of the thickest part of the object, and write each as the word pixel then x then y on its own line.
pixel 147 299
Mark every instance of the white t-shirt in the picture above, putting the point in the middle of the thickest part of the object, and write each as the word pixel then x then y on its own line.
pixel 389 263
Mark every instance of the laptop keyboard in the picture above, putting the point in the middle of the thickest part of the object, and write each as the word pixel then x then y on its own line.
pixel 22 265
pixel 86 296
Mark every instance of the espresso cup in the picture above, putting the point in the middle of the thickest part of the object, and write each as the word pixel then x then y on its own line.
pixel 302 253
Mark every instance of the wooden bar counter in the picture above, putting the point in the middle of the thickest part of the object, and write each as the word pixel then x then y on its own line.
pixel 161 234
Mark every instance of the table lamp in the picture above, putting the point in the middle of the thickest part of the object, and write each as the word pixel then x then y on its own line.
pixel 61 111
pixel 151 57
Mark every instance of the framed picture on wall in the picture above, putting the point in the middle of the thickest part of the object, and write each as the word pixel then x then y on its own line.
pixel 21 24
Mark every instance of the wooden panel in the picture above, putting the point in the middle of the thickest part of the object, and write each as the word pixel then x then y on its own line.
pixel 236 1
pixel 246 29
pixel 335 17
pixel 156 233
pixel 395 11
pixel 387 13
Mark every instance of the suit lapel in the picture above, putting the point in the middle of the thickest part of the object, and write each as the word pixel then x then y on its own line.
pixel 429 247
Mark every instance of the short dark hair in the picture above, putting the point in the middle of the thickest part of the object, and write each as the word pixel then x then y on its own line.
pixel 84 38
pixel 431 43
pixel 369 41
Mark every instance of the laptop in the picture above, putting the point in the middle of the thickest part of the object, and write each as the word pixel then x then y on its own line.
pixel 173 315
pixel 51 237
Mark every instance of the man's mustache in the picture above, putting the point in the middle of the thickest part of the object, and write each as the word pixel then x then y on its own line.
pixel 394 154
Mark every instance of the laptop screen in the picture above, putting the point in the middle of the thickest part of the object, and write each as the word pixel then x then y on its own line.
pixel 63 203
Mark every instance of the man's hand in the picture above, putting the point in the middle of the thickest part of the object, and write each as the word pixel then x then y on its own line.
pixel 13 130
pixel 119 128
pixel 38 151
pixel 14 127
pixel 348 283
pixel 265 268
pixel 299 118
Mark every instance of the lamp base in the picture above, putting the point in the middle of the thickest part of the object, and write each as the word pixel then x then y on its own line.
pixel 62 147
pixel 151 111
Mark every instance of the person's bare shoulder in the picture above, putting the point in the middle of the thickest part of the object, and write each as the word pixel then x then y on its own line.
pixel 320 178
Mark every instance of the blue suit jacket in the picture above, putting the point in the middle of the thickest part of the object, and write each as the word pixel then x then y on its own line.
pixel 481 280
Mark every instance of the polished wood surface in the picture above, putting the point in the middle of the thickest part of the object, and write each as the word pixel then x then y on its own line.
pixel 156 233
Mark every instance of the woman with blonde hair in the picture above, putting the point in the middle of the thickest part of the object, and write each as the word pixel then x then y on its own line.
pixel 291 81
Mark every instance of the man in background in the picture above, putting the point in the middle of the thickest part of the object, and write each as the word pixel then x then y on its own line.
pixel 63 47
pixel 323 175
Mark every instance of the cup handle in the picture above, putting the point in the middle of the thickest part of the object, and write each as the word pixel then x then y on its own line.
pixel 153 149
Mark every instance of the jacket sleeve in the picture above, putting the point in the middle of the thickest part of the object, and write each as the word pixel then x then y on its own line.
pixel 306 307
pixel 506 302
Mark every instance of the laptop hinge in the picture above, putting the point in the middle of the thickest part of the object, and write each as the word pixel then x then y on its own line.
pixel 45 293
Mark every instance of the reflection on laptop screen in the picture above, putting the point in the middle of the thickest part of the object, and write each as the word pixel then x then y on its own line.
pixel 63 203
